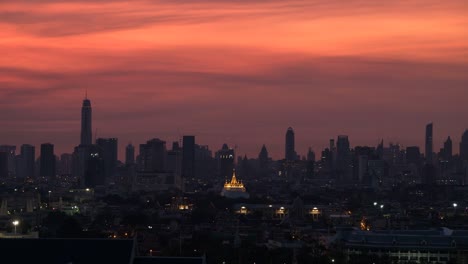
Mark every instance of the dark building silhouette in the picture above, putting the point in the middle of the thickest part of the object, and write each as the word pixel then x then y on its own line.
pixel 464 146
pixel 3 165
pixel 343 159
pixel 108 150
pixel 290 153
pixel 205 163
pixel 65 167
pixel 188 157
pixel 447 152
pixel 27 161
pixel 130 155
pixel 153 156
pixel 428 174
pixel 174 159
pixel 86 118
pixel 47 161
pixel 413 155
pixel 263 158
pixel 11 152
pixel 225 157
pixel 429 143
pixel 311 155
pixel 95 169
pixel 310 168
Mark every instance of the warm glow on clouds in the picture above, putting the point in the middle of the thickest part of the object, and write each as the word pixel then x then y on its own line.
pixel 238 72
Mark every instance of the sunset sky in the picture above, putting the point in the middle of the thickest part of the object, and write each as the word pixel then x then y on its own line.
pixel 236 72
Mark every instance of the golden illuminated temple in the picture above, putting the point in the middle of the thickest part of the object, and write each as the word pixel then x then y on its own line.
pixel 234 188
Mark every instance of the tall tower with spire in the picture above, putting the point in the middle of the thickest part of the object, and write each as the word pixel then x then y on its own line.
pixel 86 111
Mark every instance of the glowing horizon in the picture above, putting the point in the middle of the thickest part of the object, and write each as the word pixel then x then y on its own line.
pixel 234 72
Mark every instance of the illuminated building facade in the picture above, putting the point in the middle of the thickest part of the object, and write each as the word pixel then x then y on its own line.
pixel 234 188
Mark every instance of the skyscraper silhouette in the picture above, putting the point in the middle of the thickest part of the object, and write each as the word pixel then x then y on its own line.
pixel 343 159
pixel 447 153
pixel 130 155
pixel 47 162
pixel 188 156
pixel 464 146
pixel 27 161
pixel 290 153
pixel 86 134
pixel 429 143
pixel 108 150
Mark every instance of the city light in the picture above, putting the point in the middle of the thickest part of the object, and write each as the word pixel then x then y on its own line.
pixel 15 224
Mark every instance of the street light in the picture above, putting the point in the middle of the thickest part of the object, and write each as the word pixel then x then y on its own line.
pixel 381 206
pixel 15 224
pixel 455 205
pixel 375 203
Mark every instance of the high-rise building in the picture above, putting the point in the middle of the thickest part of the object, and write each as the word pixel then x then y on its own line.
pixel 464 146
pixel 311 155
pixel 188 156
pixel 413 156
pixel 290 153
pixel 27 161
pixel 174 159
pixel 4 165
pixel 86 134
pixel 153 156
pixel 225 158
pixel 108 149
pixel 429 144
pixel 130 155
pixel 47 161
pixel 11 151
pixel 65 167
pixel 95 167
pixel 263 158
pixel 343 159
pixel 447 151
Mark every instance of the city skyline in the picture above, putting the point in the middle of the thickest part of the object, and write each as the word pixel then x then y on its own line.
pixel 87 121
pixel 237 73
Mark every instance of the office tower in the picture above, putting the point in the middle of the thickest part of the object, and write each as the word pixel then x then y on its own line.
pixel 174 160
pixel 464 146
pixel 429 144
pixel 47 161
pixel 310 155
pixel 11 152
pixel 188 157
pixel 153 155
pixel 108 149
pixel 205 163
pixel 129 154
pixel 95 168
pixel 225 158
pixel 362 168
pixel 290 153
pixel 4 165
pixel 343 159
pixel 413 155
pixel 27 161
pixel 86 111
pixel 263 158
pixel 447 151
pixel 377 171
pixel 65 167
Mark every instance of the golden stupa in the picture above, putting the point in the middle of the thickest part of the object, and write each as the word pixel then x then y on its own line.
pixel 234 188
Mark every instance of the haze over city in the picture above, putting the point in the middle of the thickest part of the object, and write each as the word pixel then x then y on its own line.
pixel 234 72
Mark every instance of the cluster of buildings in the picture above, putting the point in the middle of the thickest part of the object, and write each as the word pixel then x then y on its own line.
pixel 372 203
